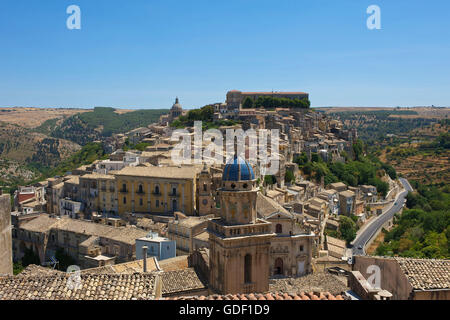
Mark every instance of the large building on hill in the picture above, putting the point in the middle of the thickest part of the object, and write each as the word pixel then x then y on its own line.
pixel 235 98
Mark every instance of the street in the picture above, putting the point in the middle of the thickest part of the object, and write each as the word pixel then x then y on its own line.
pixel 370 230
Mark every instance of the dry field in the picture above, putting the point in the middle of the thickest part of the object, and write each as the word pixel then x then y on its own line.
pixel 422 112
pixel 34 117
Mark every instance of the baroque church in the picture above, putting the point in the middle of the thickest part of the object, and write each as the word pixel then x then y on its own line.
pixel 239 241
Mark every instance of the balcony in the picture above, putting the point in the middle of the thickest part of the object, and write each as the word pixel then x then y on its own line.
pixel 123 191
pixel 158 194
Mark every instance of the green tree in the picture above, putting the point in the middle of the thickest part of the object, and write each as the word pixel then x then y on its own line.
pixel 289 176
pixel 248 103
pixel 347 229
pixel 270 180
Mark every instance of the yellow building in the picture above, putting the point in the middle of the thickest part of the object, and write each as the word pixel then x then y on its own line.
pixel 158 190
pixel 107 194
pixel 98 193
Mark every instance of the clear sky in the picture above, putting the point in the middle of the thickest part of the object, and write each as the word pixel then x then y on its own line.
pixel 144 53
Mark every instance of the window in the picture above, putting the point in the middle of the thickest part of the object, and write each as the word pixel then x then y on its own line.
pixel 124 187
pixel 205 187
pixel 248 268
pixel 279 228
pixel 157 203
pixel 174 191
pixel 140 190
pixel 301 248
pixel 141 202
pixel 157 190
pixel 124 200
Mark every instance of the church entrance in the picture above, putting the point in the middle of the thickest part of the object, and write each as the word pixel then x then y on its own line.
pixel 301 268
pixel 279 266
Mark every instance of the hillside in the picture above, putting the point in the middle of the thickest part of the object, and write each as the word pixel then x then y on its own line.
pixel 33 140
pixel 23 152
pixel 100 123
pixel 423 156
pixel 423 231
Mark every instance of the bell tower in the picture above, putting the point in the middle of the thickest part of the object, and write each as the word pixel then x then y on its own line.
pixel 239 241
pixel 206 201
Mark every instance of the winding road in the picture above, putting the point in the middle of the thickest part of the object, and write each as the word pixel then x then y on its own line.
pixel 364 237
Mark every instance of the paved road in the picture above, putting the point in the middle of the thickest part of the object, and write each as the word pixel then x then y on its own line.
pixel 370 230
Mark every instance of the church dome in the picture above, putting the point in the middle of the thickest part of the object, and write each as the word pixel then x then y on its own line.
pixel 177 105
pixel 238 170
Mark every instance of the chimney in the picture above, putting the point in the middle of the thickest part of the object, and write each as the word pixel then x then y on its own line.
pixel 144 254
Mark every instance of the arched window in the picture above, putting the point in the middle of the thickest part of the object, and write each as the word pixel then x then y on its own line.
pixel 157 190
pixel 205 187
pixel 140 190
pixel 248 268
pixel 124 187
pixel 279 228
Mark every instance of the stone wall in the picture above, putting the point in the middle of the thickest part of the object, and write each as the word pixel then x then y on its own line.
pixel 5 235
pixel 392 277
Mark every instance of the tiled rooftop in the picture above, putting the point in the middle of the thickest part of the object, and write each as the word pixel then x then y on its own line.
pixel 34 270
pixel 44 224
pixel 181 280
pixel 426 274
pixel 136 286
pixel 158 172
pixel 267 296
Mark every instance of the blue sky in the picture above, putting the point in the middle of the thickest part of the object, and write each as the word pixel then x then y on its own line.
pixel 143 53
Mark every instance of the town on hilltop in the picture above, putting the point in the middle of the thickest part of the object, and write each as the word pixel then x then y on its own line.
pixel 136 220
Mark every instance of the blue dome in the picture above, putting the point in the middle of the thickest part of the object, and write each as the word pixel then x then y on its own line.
pixel 238 170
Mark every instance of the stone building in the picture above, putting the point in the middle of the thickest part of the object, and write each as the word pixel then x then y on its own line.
pixel 175 111
pixel 408 278
pixel 184 231
pixel 158 190
pixel 235 98
pixel 291 249
pixel 83 241
pixel 54 193
pixel 5 235
pixel 206 203
pixel 239 241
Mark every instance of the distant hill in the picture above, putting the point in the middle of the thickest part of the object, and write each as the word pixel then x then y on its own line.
pixel 36 141
pixel 101 122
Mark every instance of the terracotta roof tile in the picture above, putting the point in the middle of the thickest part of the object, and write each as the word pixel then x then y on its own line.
pixel 136 286
pixel 425 274
pixel 267 296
